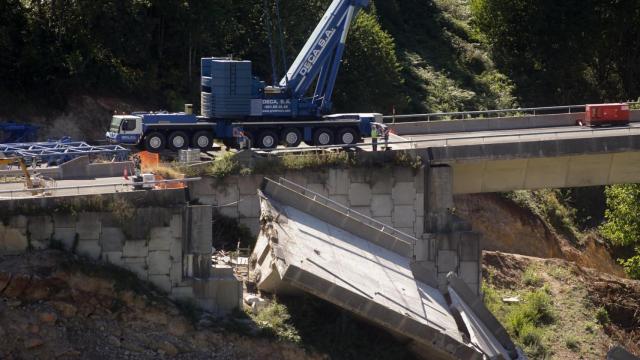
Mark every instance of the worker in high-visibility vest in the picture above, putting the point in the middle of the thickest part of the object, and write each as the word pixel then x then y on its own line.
pixel 374 136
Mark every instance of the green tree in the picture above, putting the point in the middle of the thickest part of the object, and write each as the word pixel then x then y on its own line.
pixel 622 224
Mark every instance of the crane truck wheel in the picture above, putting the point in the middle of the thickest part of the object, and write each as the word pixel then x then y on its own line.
pixel 202 140
pixel 291 137
pixel 155 142
pixel 178 140
pixel 267 140
pixel 323 137
pixel 347 136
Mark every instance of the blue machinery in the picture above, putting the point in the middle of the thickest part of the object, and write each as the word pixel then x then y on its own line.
pixel 58 152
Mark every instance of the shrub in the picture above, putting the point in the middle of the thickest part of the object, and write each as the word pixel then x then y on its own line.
pixel 274 320
pixel 531 278
pixel 602 315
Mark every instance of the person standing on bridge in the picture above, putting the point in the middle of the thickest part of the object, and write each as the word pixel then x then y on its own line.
pixel 374 136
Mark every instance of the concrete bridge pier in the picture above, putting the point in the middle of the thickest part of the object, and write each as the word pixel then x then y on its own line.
pixel 448 244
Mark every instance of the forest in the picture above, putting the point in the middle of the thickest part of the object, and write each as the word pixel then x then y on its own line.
pixel 407 55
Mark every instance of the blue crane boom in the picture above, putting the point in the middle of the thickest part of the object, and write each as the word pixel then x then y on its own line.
pixel 321 55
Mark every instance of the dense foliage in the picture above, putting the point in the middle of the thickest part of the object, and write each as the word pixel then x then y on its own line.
pixel 564 52
pixel 622 225
pixel 150 49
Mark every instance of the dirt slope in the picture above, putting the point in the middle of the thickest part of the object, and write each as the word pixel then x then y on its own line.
pixel 509 228
pixel 592 311
pixel 55 307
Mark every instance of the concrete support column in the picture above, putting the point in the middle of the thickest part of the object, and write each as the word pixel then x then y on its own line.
pixel 448 244
pixel 198 240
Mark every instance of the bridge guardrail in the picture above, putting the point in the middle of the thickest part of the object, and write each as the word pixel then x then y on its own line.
pixel 546 110
pixel 380 226
pixel 51 191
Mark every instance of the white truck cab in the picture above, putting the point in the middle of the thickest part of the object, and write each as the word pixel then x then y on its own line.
pixel 125 129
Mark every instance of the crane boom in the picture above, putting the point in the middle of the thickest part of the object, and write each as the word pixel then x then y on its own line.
pixel 321 55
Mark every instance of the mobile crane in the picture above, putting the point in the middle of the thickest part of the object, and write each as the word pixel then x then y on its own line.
pixel 235 103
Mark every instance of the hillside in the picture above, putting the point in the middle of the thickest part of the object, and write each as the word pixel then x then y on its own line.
pixel 556 309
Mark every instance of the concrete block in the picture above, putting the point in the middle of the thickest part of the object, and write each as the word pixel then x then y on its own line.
pixel 469 272
pixel 447 261
pixel 229 295
pixel 297 177
pixel 364 210
pixel 359 194
pixel 182 293
pixel 418 227
pixel 361 175
pixel 249 185
pixel 249 207
pixel 64 220
pixel 252 223
pixel 176 274
pixel 114 257
pixel 402 174
pixel 419 204
pixel 470 246
pixel 207 200
pixel 19 221
pixel 381 205
pixel 13 242
pixel 40 231
pixel 175 250
pixel 408 231
pixel 159 263
pixel 229 211
pixel 88 226
pixel 201 266
pixel 341 199
pixel 318 188
pixel 418 180
pixel 403 193
pixel 227 195
pixel 338 183
pixel 112 239
pixel 137 266
pixel 135 249
pixel 205 288
pixel 67 236
pixel 200 229
pixel 381 184
pixel 160 238
pixel 89 248
pixel 163 282
pixel 221 271
pixel 403 216
pixel 176 226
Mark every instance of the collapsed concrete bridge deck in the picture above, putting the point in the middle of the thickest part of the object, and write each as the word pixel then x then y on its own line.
pixel 309 243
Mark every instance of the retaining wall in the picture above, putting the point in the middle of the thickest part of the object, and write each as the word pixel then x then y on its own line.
pixel 391 195
pixel 168 246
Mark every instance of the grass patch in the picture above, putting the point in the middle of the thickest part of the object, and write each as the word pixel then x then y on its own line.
pixel 531 278
pixel 227 164
pixel 602 316
pixel 572 343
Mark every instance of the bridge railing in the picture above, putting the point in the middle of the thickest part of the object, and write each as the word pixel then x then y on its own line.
pixel 378 225
pixel 500 113
pixel 24 193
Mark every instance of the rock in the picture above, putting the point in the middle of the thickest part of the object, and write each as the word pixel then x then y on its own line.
pixel 156 317
pixel 33 343
pixel 114 341
pixel 18 284
pixel 5 279
pixel 34 329
pixel 168 348
pixel 178 326
pixel 67 310
pixel 48 317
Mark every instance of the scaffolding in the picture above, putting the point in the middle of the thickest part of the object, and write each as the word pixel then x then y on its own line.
pixel 59 152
